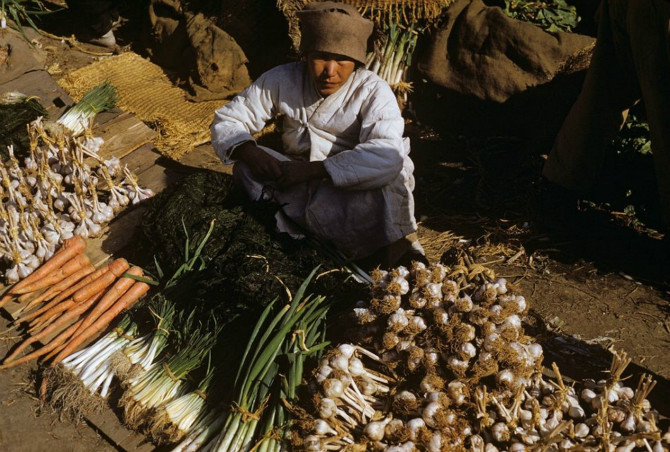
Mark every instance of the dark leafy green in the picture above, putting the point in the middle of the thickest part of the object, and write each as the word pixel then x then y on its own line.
pixel 246 263
pixel 551 15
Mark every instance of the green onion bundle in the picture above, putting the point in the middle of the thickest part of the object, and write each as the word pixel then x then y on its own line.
pixel 258 416
pixel 201 433
pixel 395 58
pixel 78 118
pixel 76 383
pixel 174 420
pixel 165 379
pixel 137 357
pixel 399 44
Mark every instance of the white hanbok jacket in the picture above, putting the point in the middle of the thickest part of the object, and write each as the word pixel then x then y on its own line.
pixel 357 133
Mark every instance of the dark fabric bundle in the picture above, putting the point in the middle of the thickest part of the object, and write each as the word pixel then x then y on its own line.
pixel 14 119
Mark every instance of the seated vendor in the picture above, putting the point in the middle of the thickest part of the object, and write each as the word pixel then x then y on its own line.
pixel 344 173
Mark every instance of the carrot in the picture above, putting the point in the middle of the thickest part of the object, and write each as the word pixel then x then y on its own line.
pixel 65 294
pixel 56 350
pixel 28 296
pixel 62 320
pixel 120 286
pixel 50 315
pixel 84 291
pixel 116 269
pixel 132 295
pixel 71 247
pixel 61 286
pixel 58 275
pixel 117 290
pixel 54 343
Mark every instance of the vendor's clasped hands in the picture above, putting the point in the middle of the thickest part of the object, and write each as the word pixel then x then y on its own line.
pixel 285 173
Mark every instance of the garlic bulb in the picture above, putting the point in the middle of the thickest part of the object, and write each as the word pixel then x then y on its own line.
pixel 469 376
pixel 51 195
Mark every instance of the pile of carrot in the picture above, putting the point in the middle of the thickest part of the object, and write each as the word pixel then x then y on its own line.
pixel 69 301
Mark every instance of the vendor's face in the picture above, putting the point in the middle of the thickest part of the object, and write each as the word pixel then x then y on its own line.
pixel 329 71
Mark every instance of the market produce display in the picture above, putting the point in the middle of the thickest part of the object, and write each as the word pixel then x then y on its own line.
pixel 71 302
pixel 442 363
pixel 437 358
pixel 439 361
pixel 61 188
pixel 224 339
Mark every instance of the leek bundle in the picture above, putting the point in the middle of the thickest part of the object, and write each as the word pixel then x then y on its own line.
pixel 262 385
pixel 401 22
pixel 79 118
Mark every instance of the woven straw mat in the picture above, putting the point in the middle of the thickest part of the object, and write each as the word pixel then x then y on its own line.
pixel 143 89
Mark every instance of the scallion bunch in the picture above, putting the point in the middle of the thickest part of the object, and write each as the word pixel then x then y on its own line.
pixel 137 357
pixel 258 416
pixel 165 379
pixel 78 118
pixel 174 420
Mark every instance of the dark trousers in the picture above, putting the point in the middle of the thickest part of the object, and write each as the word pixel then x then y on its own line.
pixel 631 61
pixel 95 16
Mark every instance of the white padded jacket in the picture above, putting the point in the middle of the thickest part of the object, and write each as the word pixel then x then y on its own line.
pixel 357 133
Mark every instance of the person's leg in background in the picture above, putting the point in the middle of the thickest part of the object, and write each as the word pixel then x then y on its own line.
pixel 595 118
pixel 649 30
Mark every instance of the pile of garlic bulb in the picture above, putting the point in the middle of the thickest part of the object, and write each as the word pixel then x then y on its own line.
pixel 63 188
pixel 441 363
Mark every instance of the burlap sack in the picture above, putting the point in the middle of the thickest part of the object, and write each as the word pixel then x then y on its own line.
pixel 260 29
pixel 220 64
pixel 484 73
pixel 197 50
pixel 480 51
pixel 167 41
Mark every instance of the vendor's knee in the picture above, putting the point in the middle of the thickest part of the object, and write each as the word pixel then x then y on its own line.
pixel 243 177
pixel 242 174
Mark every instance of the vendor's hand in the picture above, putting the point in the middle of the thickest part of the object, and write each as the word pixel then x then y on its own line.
pixel 293 173
pixel 262 165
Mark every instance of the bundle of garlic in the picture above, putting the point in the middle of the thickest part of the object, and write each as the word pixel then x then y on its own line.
pixel 62 188
pixel 444 364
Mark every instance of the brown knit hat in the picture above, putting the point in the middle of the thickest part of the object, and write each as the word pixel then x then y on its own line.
pixel 335 28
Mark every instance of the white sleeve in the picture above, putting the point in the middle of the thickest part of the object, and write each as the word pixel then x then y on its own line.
pixel 245 115
pixel 379 157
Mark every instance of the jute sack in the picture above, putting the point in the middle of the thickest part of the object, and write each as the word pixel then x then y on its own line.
pixel 197 50
pixel 485 74
pixel 480 51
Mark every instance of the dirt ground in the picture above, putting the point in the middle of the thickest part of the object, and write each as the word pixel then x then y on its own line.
pixel 28 428
pixel 606 289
